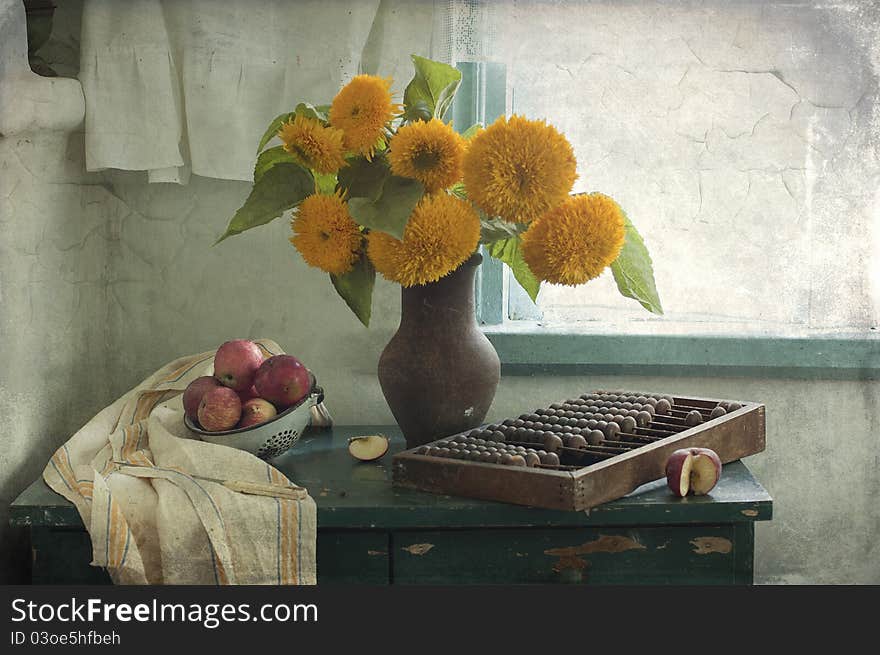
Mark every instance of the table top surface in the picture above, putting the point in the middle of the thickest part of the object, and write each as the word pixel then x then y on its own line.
pixel 359 495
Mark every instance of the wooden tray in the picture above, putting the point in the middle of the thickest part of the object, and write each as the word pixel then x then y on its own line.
pixel 733 436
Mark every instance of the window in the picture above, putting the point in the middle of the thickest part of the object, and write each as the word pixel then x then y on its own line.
pixel 741 138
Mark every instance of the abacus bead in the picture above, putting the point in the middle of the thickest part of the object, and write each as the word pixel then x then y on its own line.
pixel 717 412
pixel 611 430
pixel 595 437
pixel 552 443
pixel 693 418
pixel 577 441
pixel 643 418
pixel 663 406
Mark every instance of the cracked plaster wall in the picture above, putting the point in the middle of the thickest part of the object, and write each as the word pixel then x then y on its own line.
pixel 105 278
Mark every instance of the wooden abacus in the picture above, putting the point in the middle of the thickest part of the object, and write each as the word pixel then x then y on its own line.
pixel 582 452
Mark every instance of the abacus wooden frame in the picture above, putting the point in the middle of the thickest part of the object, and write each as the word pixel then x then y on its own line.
pixel 733 436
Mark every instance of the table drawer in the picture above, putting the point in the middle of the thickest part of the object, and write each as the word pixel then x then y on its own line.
pixel 719 554
pixel 62 556
pixel 353 558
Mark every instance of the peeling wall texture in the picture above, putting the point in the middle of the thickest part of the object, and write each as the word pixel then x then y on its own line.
pixel 104 278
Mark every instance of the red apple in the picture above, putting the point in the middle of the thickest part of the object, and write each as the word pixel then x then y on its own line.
pixel 220 409
pixel 283 380
pixel 693 470
pixel 194 392
pixel 678 472
pixel 254 411
pixel 247 394
pixel 236 363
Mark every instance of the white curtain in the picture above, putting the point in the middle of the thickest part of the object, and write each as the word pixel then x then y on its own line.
pixel 180 86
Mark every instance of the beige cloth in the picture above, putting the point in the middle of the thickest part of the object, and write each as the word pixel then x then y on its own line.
pixel 173 86
pixel 167 525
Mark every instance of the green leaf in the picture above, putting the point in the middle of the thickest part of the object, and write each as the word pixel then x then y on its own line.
pixel 471 132
pixel 356 288
pixel 458 190
pixel 496 229
pixel 390 212
pixel 311 111
pixel 272 130
pixel 634 273
pixel 509 251
pixel 418 111
pixel 364 179
pixel 434 84
pixel 325 183
pixel 269 158
pixel 281 187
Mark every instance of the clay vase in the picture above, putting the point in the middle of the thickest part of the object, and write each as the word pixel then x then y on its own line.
pixel 439 372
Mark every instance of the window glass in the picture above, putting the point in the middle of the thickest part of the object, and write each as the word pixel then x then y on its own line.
pixel 740 137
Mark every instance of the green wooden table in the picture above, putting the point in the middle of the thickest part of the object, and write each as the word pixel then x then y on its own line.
pixel 371 532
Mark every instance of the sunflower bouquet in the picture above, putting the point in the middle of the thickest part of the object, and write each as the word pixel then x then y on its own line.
pixel 377 186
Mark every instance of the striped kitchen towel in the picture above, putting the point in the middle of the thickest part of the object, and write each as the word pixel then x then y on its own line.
pixel 168 524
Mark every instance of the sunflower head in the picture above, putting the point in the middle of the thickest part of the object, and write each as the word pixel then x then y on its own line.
pixel 442 232
pixel 519 169
pixel 430 152
pixel 575 241
pixel 313 145
pixel 325 234
pixel 361 110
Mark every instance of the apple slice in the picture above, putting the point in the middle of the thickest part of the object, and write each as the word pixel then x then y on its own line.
pixel 368 447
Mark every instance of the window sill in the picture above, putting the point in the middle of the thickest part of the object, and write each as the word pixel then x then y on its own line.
pixel 526 348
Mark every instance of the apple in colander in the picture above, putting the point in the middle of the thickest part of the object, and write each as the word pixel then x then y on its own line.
pixel 283 380
pixel 255 411
pixel 192 397
pixel 220 409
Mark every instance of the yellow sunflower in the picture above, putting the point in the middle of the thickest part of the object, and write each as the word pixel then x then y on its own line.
pixel 519 169
pixel 361 110
pixel 575 241
pixel 442 232
pixel 430 152
pixel 313 145
pixel 325 234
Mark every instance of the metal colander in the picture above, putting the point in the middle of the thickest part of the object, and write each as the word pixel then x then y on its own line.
pixel 267 440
